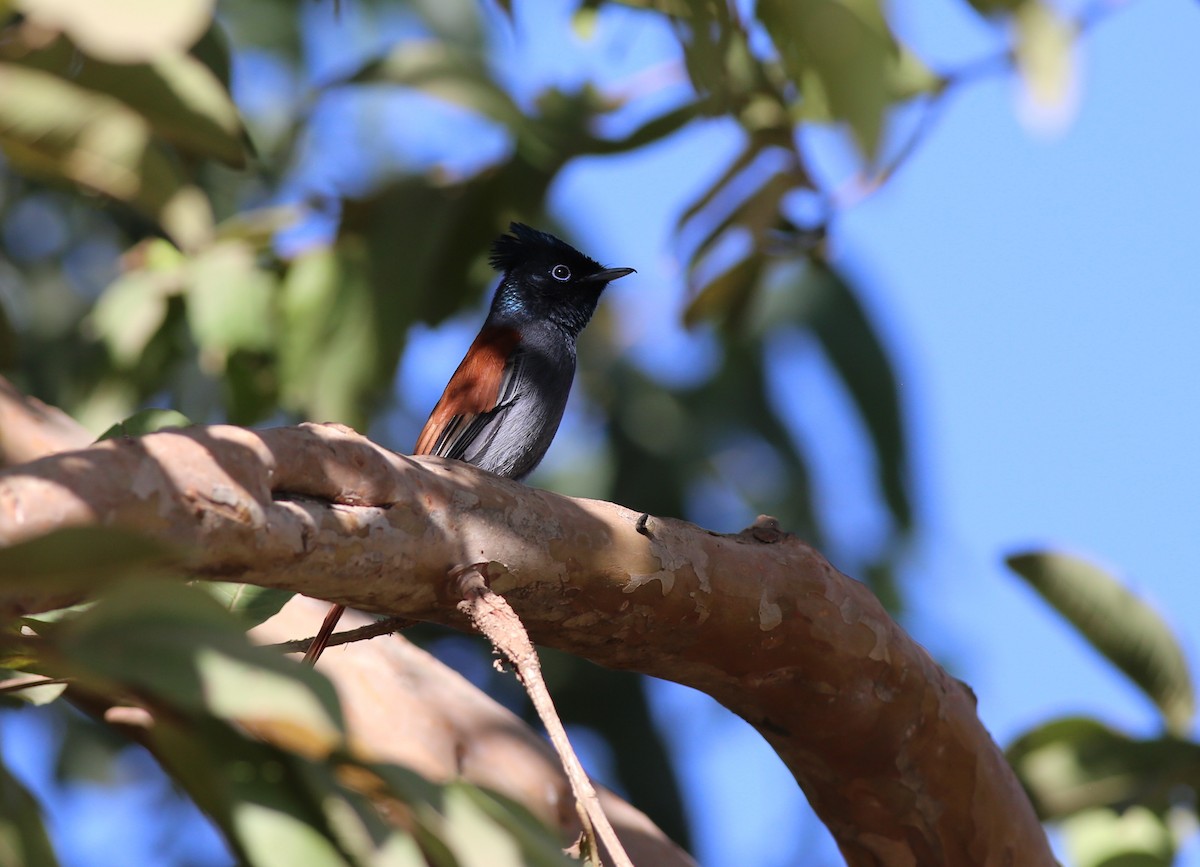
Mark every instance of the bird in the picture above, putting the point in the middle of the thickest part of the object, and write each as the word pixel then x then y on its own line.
pixel 503 405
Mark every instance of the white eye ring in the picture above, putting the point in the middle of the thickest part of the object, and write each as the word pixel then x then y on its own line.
pixel 561 273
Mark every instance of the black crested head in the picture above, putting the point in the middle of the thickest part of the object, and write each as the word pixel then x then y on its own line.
pixel 547 278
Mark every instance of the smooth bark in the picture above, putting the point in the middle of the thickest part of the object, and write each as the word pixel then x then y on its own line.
pixel 886 745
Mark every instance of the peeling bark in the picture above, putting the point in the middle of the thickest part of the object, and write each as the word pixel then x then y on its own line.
pixel 886 745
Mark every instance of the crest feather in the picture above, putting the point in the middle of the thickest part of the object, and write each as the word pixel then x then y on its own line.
pixel 523 243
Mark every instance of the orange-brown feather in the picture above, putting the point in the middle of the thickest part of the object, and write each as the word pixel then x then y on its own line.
pixel 475 386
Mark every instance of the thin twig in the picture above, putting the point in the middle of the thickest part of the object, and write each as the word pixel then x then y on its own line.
pixel 491 614
pixel 386 626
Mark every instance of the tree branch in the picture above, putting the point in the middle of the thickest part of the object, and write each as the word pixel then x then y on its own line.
pixel 29 429
pixel 886 745
pixel 494 617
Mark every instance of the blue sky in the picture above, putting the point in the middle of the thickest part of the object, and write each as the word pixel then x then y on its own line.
pixel 1038 295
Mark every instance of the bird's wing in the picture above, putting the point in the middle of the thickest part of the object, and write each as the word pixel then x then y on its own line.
pixel 484 384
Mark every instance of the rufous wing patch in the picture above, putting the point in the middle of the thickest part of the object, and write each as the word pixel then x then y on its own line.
pixel 474 389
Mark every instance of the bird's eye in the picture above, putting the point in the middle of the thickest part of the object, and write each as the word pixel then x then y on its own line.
pixel 561 273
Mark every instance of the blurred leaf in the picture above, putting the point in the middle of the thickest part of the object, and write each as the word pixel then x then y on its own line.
pixel 274 837
pixel 250 603
pixel 459 823
pixel 258 227
pixel 78 558
pixel 255 792
pixel 842 53
pixel 654 130
pixel 129 313
pixel 661 453
pixel 756 213
pixel 124 31
pixel 1132 838
pixel 726 296
pixel 328 356
pixel 485 831
pixel 55 129
pixel 23 838
pixel 34 621
pixel 231 301
pixel 446 72
pixel 755 147
pixel 277 808
pixel 538 848
pixel 29 688
pixel 184 101
pixel 9 339
pixel 88 749
pixel 144 422
pixel 418 242
pixel 1126 630
pixel 212 50
pixel 910 76
pixel 713 44
pixel 1044 43
pixel 841 325
pixel 177 644
pixel 458 22
pixel 991 8
pixel 1076 764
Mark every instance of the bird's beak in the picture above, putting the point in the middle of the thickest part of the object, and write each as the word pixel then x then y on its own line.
pixel 609 274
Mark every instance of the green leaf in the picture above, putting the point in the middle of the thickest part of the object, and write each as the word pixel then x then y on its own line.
pixel 328 354
pixel 178 645
pixel 654 130
pixel 910 76
pixel 23 838
pixel 757 212
pixel 1123 627
pixel 447 72
pixel 478 840
pixel 754 148
pixel 991 8
pixel 30 688
pixel 144 422
pixel 1130 838
pixel 79 558
pixel 1044 53
pixel 842 54
pixel 212 50
pixel 461 824
pixel 124 31
pixel 255 792
pixel 88 750
pixel 529 838
pixel 55 129
pixel 250 603
pixel 129 313
pixel 230 301
pixel 841 325
pixel 1076 764
pixel 725 297
pixel 258 227
pixel 183 100
pixel 274 837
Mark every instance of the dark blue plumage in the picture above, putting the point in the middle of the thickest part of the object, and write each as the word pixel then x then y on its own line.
pixel 502 407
